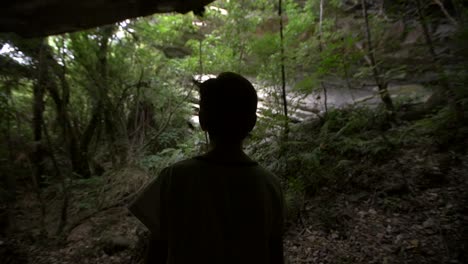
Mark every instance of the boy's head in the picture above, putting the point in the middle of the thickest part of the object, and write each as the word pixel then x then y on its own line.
pixel 228 106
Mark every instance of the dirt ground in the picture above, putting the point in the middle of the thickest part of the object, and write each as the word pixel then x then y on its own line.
pixel 412 209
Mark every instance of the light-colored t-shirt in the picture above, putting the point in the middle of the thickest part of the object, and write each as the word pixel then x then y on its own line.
pixel 212 212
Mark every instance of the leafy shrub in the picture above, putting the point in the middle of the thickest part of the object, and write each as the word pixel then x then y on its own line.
pixel 156 162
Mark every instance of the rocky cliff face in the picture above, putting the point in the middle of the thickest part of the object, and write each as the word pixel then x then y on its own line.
pixel 401 50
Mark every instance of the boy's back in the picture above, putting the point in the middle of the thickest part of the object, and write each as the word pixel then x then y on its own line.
pixel 221 207
pixel 213 212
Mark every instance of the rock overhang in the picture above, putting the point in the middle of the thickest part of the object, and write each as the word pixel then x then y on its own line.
pixel 39 18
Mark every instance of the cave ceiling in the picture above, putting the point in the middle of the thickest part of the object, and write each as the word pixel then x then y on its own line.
pixel 37 18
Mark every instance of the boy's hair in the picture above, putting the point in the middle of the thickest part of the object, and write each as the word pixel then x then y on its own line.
pixel 228 106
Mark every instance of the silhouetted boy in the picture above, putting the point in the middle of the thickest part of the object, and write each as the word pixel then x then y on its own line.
pixel 221 207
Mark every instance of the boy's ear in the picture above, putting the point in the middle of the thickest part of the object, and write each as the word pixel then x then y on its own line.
pixel 251 122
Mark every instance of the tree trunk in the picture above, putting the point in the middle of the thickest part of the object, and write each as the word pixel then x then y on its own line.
pixel 427 34
pixel 38 119
pixel 346 75
pixel 51 70
pixel 449 90
pixel 324 88
pixel 111 120
pixel 78 161
pixel 61 176
pixel 38 152
pixel 381 84
pixel 9 179
pixel 446 13
pixel 283 72
pixel 89 132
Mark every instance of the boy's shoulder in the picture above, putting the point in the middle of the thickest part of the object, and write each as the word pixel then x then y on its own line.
pixel 197 164
pixel 202 161
pixel 185 163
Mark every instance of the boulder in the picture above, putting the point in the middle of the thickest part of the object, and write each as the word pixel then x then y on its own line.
pixel 114 244
pixel 414 35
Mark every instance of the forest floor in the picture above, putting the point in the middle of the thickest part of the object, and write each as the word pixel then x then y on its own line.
pixel 418 216
pixel 412 209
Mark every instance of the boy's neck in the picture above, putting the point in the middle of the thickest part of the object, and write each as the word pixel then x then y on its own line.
pixel 229 146
pixel 227 151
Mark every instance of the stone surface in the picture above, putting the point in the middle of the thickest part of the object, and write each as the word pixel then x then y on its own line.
pixel 114 244
pixel 35 18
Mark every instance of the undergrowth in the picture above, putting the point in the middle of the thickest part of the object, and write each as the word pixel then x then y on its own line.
pixel 343 151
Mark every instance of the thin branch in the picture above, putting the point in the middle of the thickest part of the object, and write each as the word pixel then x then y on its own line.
pixel 320 36
pixel 283 70
pixel 381 83
pixel 427 34
pixel 446 13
